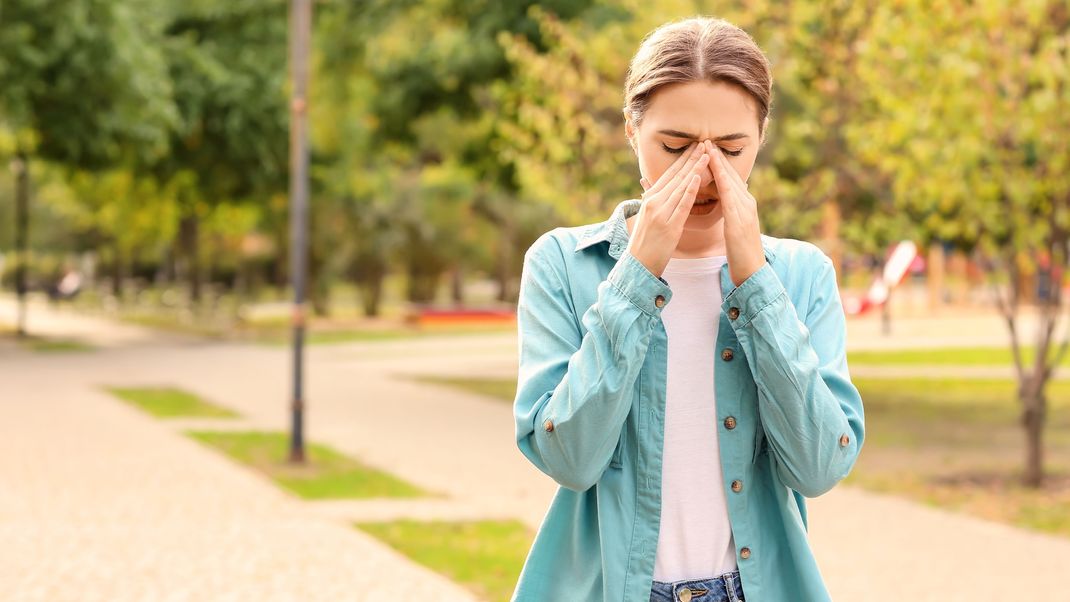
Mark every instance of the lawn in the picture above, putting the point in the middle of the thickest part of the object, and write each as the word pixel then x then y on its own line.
pixel 960 356
pixel 42 344
pixel 170 402
pixel 327 474
pixel 484 556
pixel 950 442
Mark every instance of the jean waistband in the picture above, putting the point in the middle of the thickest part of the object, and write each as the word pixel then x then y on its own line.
pixel 724 588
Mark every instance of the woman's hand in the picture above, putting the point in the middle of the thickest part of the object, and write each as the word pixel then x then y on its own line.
pixel 743 239
pixel 666 205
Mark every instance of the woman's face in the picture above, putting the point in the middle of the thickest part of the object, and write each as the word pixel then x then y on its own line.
pixel 679 114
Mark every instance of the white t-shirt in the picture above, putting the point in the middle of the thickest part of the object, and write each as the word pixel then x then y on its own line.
pixel 696 537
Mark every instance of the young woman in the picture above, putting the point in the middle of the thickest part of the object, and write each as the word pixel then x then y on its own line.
pixel 683 376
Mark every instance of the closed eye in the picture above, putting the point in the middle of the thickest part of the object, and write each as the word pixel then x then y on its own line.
pixel 677 151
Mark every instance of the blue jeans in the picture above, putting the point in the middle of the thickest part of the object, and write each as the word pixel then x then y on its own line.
pixel 726 588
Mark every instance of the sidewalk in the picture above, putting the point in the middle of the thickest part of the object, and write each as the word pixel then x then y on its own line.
pixel 101 502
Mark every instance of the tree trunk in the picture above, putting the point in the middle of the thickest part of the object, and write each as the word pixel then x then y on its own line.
pixel 22 236
pixel 189 231
pixel 457 285
pixel 1033 404
pixel 505 260
pixel 935 275
pixel 886 315
pixel 117 274
pixel 372 295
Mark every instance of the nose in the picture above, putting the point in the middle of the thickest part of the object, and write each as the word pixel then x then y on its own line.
pixel 707 183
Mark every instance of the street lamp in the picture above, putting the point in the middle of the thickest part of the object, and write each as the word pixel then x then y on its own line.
pixel 300 31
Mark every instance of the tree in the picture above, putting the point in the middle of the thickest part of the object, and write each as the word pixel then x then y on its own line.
pixel 82 83
pixel 969 127
pixel 227 62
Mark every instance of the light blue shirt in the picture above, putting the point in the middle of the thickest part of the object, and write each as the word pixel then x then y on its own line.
pixel 590 411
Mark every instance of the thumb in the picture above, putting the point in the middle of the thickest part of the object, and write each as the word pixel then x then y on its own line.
pixel 644 183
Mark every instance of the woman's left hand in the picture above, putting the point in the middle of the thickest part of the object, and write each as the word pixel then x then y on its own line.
pixel 743 239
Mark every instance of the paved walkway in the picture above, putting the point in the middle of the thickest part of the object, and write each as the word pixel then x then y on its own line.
pixel 110 504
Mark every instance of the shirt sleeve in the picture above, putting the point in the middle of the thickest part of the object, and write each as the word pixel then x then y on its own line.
pixel 810 410
pixel 574 386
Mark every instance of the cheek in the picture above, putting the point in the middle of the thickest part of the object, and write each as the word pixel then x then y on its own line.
pixel 653 163
pixel 742 165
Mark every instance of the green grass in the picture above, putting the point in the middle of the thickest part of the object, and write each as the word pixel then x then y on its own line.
pixel 170 402
pixel 51 345
pixel 497 388
pixel 483 556
pixel 43 344
pixel 960 356
pixel 327 474
pixel 958 444
pixel 950 442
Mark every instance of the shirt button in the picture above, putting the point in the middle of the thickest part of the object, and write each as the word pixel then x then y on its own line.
pixel 727 355
pixel 733 313
pixel 730 422
pixel 548 425
pixel 659 301
pixel 844 440
pixel 744 553
pixel 737 485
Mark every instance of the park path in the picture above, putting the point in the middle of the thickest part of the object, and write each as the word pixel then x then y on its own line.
pixel 110 504
pixel 100 502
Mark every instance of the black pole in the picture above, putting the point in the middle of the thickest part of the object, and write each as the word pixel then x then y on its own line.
pixel 300 31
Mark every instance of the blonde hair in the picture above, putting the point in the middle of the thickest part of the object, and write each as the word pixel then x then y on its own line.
pixel 698 49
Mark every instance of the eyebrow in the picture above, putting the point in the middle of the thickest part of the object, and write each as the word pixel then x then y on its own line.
pixel 679 134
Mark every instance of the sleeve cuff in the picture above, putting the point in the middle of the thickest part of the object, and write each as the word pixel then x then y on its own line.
pixel 754 294
pixel 646 291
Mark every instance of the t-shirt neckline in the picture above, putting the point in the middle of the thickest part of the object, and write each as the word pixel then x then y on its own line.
pixel 689 265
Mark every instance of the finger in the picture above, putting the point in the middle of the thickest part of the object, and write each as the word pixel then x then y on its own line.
pixel 729 172
pixel 685 200
pixel 644 183
pixel 685 180
pixel 678 169
pixel 729 193
pixel 680 195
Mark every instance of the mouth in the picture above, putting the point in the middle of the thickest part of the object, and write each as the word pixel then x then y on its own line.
pixel 705 200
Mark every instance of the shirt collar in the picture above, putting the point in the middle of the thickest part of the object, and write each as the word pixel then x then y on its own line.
pixel 615 231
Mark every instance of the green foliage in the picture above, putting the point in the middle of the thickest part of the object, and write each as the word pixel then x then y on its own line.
pixel 84 82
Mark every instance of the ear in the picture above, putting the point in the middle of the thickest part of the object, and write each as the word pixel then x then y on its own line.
pixel 629 130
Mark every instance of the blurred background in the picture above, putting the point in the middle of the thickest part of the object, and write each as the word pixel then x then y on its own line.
pixel 164 438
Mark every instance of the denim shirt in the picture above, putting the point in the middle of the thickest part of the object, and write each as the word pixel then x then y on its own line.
pixel 590 412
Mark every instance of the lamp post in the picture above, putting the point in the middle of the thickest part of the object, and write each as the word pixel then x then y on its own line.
pixel 300 31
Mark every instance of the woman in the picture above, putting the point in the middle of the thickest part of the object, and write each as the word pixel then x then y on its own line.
pixel 682 376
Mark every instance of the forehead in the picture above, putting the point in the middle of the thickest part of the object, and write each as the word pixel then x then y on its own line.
pixel 704 108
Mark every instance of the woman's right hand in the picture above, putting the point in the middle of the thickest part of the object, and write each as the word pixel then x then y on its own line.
pixel 666 205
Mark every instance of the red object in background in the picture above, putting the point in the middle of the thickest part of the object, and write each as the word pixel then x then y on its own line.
pixel 902 257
